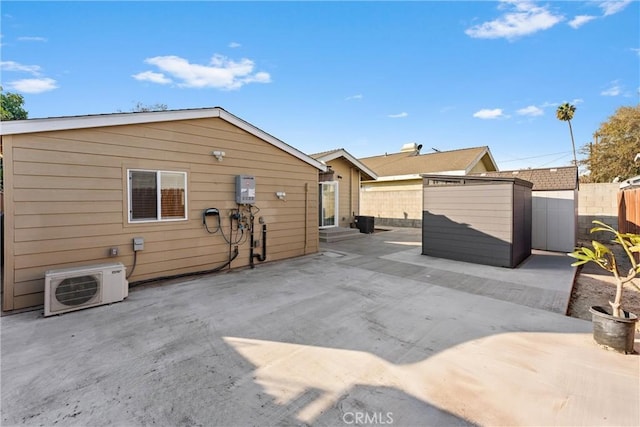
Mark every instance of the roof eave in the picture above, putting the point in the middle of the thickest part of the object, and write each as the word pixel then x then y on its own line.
pixel 117 119
pixel 478 158
pixel 355 162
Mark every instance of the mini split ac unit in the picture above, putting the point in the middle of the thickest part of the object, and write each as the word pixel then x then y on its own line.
pixel 70 289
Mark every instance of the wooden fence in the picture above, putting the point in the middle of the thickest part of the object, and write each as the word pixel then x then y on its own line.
pixel 629 210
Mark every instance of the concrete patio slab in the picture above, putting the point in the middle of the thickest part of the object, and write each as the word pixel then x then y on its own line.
pixel 325 339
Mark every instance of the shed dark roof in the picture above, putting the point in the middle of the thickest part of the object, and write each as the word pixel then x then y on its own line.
pixel 547 179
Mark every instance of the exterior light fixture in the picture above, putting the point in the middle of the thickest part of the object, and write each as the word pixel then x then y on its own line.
pixel 218 155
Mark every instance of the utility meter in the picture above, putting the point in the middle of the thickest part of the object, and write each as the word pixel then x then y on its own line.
pixel 245 189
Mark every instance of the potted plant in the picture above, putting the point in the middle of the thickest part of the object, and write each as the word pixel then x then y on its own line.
pixel 613 327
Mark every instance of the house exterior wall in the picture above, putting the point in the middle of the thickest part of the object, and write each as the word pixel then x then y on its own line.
pixel 477 223
pixel 478 168
pixel 348 178
pixel 66 200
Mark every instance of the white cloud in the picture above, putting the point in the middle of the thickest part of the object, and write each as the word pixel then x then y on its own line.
pixel 488 114
pixel 614 89
pixel 32 39
pixel 611 7
pixel 234 45
pixel 531 111
pixel 220 73
pixel 576 101
pixel 398 116
pixel 524 18
pixel 33 85
pixel 580 20
pixel 15 66
pixel 152 77
pixel 350 98
pixel 636 50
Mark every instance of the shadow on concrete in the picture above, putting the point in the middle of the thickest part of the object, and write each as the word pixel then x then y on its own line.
pixel 445 238
pixel 303 342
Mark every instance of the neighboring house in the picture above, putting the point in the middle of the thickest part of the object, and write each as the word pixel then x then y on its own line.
pixel 554 204
pixel 339 187
pixel 78 190
pixel 395 198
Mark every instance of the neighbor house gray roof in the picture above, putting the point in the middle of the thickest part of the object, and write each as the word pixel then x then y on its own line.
pixel 412 164
pixel 327 156
pixel 15 127
pixel 547 179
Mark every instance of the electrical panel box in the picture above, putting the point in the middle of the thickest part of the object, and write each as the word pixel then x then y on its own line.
pixel 138 244
pixel 245 189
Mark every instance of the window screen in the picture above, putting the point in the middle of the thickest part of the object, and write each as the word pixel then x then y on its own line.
pixel 157 195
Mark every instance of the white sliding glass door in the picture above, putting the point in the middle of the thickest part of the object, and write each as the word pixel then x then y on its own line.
pixel 328 206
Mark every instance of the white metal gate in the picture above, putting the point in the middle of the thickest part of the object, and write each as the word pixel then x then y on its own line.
pixel 554 219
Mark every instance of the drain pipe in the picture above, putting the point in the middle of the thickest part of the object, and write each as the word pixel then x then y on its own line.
pixel 306 208
pixel 263 256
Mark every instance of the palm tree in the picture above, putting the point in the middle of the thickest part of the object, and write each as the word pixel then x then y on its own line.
pixel 565 113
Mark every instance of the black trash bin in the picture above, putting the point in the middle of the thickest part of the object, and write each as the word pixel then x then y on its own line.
pixel 365 223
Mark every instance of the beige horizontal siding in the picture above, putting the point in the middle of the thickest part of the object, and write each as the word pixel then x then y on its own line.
pixel 485 207
pixel 68 195
pixel 31 208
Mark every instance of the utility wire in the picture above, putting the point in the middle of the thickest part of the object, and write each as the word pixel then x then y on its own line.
pixel 536 157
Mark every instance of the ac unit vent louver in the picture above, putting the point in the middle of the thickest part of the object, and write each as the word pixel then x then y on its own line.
pixel 74 291
pixel 82 287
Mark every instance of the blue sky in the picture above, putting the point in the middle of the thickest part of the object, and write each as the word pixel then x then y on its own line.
pixel 364 76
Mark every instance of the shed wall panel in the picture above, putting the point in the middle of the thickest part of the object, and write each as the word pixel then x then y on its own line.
pixel 522 214
pixel 481 222
pixel 453 229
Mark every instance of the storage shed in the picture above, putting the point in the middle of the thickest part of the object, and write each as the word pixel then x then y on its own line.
pixel 477 219
pixel 554 206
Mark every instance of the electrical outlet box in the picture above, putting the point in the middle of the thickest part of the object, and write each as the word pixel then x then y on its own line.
pixel 113 251
pixel 138 244
pixel 245 189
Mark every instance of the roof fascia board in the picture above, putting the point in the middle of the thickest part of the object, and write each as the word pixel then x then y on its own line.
pixel 236 121
pixel 84 122
pixel 479 158
pixel 343 153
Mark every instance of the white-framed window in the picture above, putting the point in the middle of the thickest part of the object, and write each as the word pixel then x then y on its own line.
pixel 157 195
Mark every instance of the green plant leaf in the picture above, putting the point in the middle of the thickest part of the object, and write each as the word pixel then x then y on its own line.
pixel 601 226
pixel 579 254
pixel 577 263
pixel 588 252
pixel 600 248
